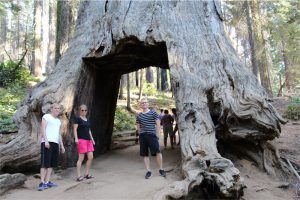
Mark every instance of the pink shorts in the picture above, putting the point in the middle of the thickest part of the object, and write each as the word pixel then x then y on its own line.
pixel 84 146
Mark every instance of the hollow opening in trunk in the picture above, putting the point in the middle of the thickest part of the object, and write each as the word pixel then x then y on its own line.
pixel 99 82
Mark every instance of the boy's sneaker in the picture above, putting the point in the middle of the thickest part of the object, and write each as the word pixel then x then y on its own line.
pixel 148 175
pixel 51 184
pixel 42 186
pixel 162 173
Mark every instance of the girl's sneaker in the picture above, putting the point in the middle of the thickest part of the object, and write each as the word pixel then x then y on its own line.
pixel 42 186
pixel 51 184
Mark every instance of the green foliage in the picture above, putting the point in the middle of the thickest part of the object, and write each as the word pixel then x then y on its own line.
pixel 11 73
pixel 283 24
pixel 9 98
pixel 296 100
pixel 149 89
pixel 293 109
pixel 123 120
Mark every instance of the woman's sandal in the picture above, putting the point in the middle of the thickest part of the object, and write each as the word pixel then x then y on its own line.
pixel 79 179
pixel 88 176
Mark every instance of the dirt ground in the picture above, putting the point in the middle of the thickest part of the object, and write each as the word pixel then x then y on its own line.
pixel 119 174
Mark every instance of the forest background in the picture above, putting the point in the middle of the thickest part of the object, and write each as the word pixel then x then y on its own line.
pixel 35 34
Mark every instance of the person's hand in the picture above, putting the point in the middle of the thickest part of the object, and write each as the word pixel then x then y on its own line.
pixel 76 140
pixel 63 149
pixel 47 145
pixel 93 142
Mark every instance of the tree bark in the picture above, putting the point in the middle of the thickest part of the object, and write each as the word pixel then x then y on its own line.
pixel 288 77
pixel 3 38
pixel 260 49
pixel 11 181
pixel 251 40
pixel 64 26
pixel 36 66
pixel 122 84
pixel 158 85
pixel 215 95
pixel 128 92
pixel 137 78
pixel 141 84
pixel 149 75
pixel 164 80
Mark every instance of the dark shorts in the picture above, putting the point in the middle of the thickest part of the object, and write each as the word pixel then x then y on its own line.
pixel 49 156
pixel 168 130
pixel 149 141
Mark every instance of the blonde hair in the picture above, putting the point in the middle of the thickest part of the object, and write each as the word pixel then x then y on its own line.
pixel 53 105
pixel 82 106
pixel 144 98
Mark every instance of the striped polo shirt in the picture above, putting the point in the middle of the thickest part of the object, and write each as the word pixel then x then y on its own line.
pixel 147 122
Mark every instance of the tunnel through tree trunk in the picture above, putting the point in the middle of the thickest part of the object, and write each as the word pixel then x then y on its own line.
pixel 215 95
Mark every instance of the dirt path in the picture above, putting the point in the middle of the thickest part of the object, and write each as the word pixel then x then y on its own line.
pixel 119 174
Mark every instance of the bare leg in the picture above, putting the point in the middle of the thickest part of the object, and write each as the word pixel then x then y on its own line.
pixel 174 138
pixel 48 174
pixel 165 141
pixel 147 163
pixel 89 162
pixel 159 160
pixel 79 163
pixel 172 141
pixel 43 174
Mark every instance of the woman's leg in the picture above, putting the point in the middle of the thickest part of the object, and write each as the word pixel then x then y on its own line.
pixel 79 163
pixel 89 162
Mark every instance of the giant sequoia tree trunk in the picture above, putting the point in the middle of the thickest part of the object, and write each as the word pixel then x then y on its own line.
pixel 216 98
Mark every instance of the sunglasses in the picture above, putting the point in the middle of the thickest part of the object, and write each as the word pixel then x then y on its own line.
pixel 84 110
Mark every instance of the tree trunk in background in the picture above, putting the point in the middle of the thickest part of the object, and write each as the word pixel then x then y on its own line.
pixel 137 78
pixel 36 66
pixel 280 87
pixel 149 75
pixel 45 32
pixel 128 92
pixel 164 80
pixel 158 85
pixel 64 26
pixel 122 85
pixel 141 84
pixel 252 42
pixel 217 100
pixel 288 77
pixel 260 49
pixel 50 64
pixel 3 32
pixel 18 45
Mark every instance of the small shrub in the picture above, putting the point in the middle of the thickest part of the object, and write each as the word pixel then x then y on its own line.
pixel 293 111
pixel 10 74
pixel 123 120
pixel 149 89
pixel 9 99
pixel 296 100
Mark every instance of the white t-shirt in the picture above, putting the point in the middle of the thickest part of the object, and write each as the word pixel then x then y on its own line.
pixel 52 128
